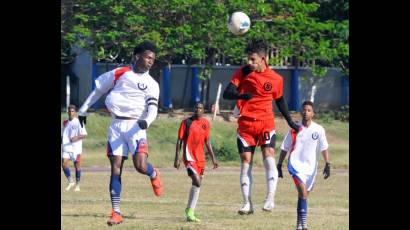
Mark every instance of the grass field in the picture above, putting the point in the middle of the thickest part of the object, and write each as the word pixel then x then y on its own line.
pixel 218 203
pixel 220 196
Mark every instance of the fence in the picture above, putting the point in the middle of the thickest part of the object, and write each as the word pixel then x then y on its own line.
pixel 180 86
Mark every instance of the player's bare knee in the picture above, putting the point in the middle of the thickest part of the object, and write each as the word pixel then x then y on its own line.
pixel 116 170
pixel 141 168
pixel 77 165
pixel 196 183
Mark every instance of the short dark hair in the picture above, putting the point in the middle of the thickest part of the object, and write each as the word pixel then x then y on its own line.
pixel 256 46
pixel 72 107
pixel 145 45
pixel 199 103
pixel 308 103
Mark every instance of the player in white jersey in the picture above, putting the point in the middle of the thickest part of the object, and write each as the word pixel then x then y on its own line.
pixel 133 103
pixel 303 148
pixel 72 146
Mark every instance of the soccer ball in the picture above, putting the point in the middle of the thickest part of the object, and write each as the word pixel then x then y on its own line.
pixel 239 23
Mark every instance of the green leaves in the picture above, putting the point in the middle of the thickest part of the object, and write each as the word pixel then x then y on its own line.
pixel 191 29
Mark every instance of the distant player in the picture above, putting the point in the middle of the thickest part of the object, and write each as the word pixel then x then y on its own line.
pixel 132 101
pixel 303 149
pixel 193 134
pixel 72 135
pixel 255 86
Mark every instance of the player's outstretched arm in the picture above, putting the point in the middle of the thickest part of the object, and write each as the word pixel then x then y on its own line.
pixel 280 161
pixel 177 150
pixel 283 108
pixel 211 153
pixel 326 170
pixel 91 99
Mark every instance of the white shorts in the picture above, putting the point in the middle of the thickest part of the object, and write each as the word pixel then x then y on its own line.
pixel 125 136
pixel 298 177
pixel 74 157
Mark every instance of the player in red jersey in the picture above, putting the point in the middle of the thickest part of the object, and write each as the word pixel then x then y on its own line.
pixel 193 134
pixel 255 86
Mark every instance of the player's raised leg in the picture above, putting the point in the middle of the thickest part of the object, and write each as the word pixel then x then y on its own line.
pixel 271 174
pixel 115 189
pixel 142 166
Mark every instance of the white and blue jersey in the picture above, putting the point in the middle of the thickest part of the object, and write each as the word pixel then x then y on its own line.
pixel 304 149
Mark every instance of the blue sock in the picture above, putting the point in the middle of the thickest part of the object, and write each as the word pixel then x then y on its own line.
pixel 150 170
pixel 302 212
pixel 77 176
pixel 115 192
pixel 67 173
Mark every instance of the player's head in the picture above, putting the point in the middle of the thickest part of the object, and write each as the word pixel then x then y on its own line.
pixel 307 110
pixel 144 56
pixel 71 111
pixel 256 51
pixel 198 109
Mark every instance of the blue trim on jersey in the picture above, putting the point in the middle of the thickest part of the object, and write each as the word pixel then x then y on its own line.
pixel 293 171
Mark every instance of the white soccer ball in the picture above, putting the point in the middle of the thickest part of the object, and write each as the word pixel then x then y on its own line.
pixel 239 23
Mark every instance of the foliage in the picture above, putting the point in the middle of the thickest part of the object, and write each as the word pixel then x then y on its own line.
pixel 328 117
pixel 196 30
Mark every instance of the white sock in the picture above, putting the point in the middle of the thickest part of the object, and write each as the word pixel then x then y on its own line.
pixel 250 176
pixel 271 174
pixel 193 197
pixel 153 174
pixel 245 181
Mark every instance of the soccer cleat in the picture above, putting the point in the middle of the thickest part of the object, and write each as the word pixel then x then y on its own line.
pixel 69 186
pixel 115 218
pixel 246 209
pixel 77 188
pixel 157 184
pixel 190 217
pixel 269 204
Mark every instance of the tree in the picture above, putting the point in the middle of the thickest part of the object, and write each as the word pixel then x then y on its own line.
pixel 196 30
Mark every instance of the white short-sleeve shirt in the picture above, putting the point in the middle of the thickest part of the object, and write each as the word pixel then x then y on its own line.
pixel 71 129
pixel 303 153
pixel 131 92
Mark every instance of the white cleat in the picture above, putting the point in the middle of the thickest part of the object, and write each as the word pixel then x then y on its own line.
pixel 77 188
pixel 246 209
pixel 69 186
pixel 268 204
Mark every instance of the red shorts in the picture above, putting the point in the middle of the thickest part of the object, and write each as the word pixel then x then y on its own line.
pixel 252 133
pixel 196 167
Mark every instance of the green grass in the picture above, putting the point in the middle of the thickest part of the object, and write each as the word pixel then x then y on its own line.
pixel 220 196
pixel 219 200
pixel 162 136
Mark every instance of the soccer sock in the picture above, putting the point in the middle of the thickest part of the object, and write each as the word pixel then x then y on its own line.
pixel 67 173
pixel 193 197
pixel 250 176
pixel 77 176
pixel 302 212
pixel 271 174
pixel 150 171
pixel 244 179
pixel 298 221
pixel 115 192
